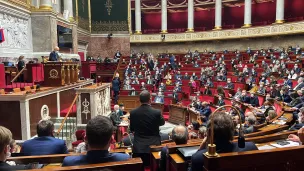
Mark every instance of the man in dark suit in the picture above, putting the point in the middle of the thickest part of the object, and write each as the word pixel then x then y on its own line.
pixel 54 54
pixel 179 136
pixel 145 122
pixel 254 100
pixel 115 117
pixel 5 139
pixel 229 84
pixel 223 136
pixel 205 111
pixel 116 87
pixel 99 132
pixel 300 84
pixel 117 54
pixel 45 143
pixel 287 82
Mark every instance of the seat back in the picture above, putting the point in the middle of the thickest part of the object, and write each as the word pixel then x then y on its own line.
pixel 281 159
pixel 16 90
pixel 2 91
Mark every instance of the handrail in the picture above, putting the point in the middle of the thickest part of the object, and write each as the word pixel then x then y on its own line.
pixel 19 73
pixel 67 115
pixel 117 69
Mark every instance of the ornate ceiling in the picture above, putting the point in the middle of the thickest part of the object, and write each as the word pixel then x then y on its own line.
pixel 173 4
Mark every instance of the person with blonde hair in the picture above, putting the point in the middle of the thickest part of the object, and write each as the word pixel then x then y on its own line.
pixel 5 140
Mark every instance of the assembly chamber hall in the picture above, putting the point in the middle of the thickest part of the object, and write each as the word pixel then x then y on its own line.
pixel 152 85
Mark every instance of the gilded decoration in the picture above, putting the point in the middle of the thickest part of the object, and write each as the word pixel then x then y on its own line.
pixel 21 3
pixel 276 29
pixel 83 23
pixel 102 26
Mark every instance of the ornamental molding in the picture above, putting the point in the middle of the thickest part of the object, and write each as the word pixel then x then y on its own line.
pixel 264 31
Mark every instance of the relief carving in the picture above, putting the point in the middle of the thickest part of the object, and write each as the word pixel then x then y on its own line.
pixel 15 31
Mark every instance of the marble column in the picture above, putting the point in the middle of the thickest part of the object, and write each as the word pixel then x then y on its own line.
pixel 68 5
pixel 57 7
pixel 190 16
pixel 280 12
pixel 247 13
pixel 164 16
pixel 35 4
pixel 218 15
pixel 46 4
pixel 137 17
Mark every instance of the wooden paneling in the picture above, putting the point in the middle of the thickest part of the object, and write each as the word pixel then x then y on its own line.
pixel 35 106
pixel 130 102
pixel 66 98
pixel 11 112
pixel 85 118
pixel 177 114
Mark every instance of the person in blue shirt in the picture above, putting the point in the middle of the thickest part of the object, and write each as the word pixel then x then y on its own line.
pixel 159 98
pixel 99 132
pixel 45 143
pixel 205 111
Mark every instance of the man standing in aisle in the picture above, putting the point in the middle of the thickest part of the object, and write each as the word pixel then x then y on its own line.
pixel 116 87
pixel 145 122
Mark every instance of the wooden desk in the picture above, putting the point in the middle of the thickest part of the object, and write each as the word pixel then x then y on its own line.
pixel 130 102
pixel 177 114
pixel 155 159
pixel 158 106
pixel 177 163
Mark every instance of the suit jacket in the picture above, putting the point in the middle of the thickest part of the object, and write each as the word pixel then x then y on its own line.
pixel 254 101
pixel 145 122
pixel 6 167
pixel 116 84
pixel 288 83
pixel 221 103
pixel 53 56
pixel 133 93
pixel 94 157
pixel 299 86
pixel 230 86
pixel 198 158
pixel 43 146
pixel 115 118
pixel 208 92
pixel 186 77
pixel 206 112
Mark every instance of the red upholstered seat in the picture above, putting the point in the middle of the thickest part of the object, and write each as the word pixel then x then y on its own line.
pixel 72 112
pixel 207 98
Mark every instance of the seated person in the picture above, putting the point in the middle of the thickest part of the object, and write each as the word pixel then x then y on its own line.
pixel 237 94
pixel 196 65
pixel 5 140
pixel 115 117
pixel 177 88
pixel 205 111
pixel 218 77
pixel 244 98
pixel 194 77
pixel 229 84
pixel 223 136
pixel 133 76
pixel 149 80
pixel 140 76
pixel 254 100
pixel 297 138
pixel 261 89
pixel 133 92
pixel 220 101
pixel 117 54
pixel 177 75
pixel 159 98
pixel 175 96
pixel 179 136
pixel 41 144
pixel 162 86
pixel 209 83
pixel 249 123
pixel 271 115
pixel 179 81
pixel 207 91
pixel 107 60
pixel 168 76
pixel 127 86
pixel 135 81
pixel 300 121
pixel 287 82
pixel 284 95
pixel 193 130
pixel 192 84
pixel 186 76
pixel 143 86
pixel 99 132
pixel 254 88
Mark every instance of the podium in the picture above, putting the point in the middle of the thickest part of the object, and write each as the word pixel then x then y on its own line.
pixel 60 73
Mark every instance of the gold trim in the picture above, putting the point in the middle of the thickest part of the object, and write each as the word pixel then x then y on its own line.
pixel 239 33
pixel 138 32
pixel 77 11
pixel 246 25
pixel 164 32
pixel 129 16
pixel 71 19
pixel 279 21
pixel 190 30
pixel 90 16
pixel 44 7
pixel 217 28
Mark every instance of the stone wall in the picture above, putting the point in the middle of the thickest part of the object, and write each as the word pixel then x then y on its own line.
pixel 106 47
pixel 241 44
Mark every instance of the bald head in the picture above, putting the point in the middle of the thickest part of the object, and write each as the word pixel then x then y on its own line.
pixel 56 48
pixel 180 135
pixel 116 107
